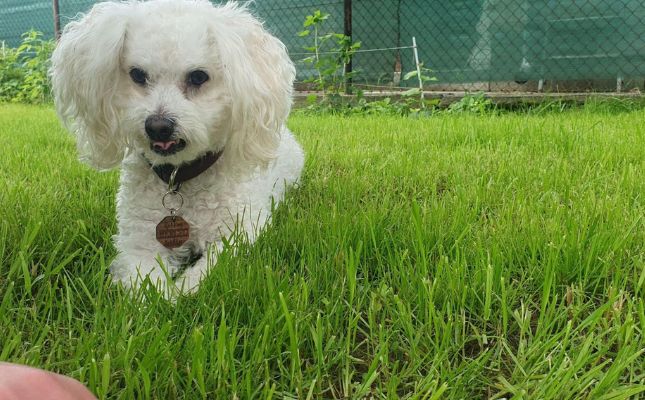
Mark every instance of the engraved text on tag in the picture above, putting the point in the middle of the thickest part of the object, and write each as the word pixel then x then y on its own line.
pixel 173 231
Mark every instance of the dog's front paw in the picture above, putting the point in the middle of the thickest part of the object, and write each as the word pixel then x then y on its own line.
pixel 188 282
pixel 122 275
pixel 131 276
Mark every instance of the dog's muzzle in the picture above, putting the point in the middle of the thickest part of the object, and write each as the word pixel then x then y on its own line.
pixel 161 132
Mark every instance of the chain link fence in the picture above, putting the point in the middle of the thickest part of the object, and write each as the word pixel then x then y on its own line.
pixel 490 45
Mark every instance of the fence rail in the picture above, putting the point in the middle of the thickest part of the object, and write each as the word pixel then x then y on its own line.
pixel 515 44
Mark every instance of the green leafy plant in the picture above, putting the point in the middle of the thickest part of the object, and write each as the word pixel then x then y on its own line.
pixel 10 74
pixel 412 100
pixel 424 74
pixel 331 52
pixel 472 103
pixel 23 70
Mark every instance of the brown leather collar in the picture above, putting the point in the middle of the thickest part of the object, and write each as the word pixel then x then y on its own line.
pixel 187 171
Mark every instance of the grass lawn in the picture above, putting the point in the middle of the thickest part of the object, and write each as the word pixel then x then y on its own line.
pixel 446 258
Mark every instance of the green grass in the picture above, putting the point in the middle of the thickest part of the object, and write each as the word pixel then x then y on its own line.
pixel 446 258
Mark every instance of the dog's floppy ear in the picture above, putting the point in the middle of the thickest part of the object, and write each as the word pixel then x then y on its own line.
pixel 84 73
pixel 260 76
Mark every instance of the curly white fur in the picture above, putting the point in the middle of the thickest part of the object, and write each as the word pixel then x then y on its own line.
pixel 240 110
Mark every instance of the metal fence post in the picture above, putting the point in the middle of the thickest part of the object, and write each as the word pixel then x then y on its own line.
pixel 347 31
pixel 56 19
pixel 418 64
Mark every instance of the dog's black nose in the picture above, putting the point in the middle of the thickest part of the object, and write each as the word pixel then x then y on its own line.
pixel 159 128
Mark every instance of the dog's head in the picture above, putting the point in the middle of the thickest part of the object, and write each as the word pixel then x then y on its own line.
pixel 171 80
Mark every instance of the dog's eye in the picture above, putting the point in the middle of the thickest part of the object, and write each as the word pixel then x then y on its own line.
pixel 197 78
pixel 138 76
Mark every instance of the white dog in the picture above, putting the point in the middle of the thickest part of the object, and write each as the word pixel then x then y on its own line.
pixel 190 99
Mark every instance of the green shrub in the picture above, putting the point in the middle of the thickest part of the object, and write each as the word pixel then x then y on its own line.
pixel 23 70
pixel 331 52
pixel 473 104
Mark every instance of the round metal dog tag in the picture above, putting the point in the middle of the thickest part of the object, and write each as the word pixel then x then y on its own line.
pixel 173 231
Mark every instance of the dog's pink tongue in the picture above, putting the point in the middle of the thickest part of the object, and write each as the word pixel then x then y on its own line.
pixel 164 145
